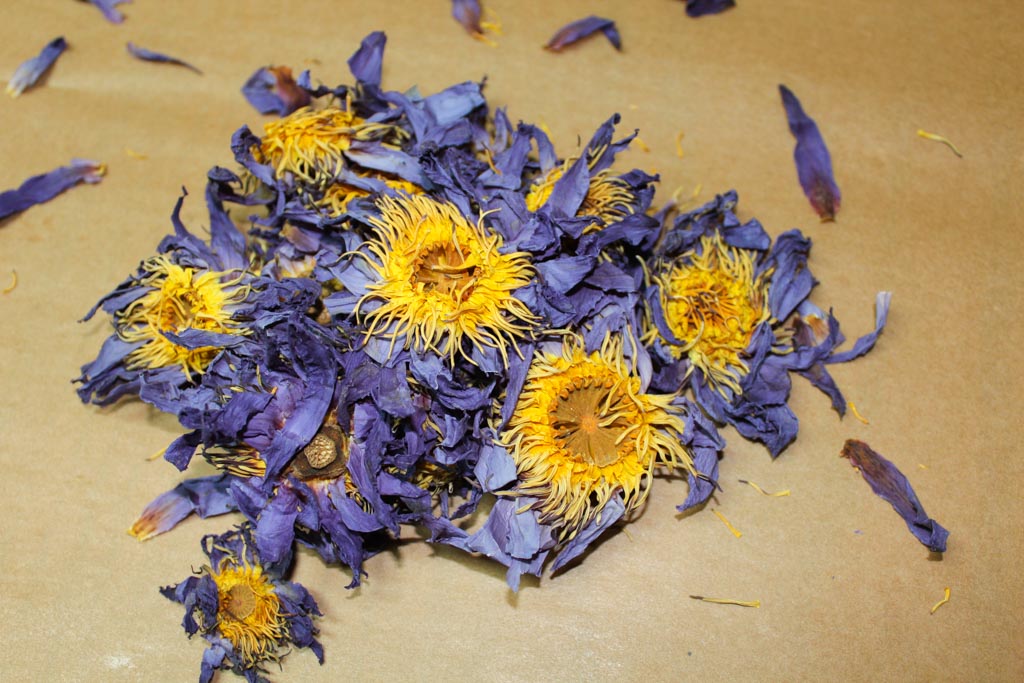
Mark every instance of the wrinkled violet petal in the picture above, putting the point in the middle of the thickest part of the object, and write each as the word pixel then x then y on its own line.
pixel 107 7
pixel 889 484
pixel 44 187
pixel 813 162
pixel 31 70
pixel 698 8
pixel 273 90
pixel 150 56
pixel 578 30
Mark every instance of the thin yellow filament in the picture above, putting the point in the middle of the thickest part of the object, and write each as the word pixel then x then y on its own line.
pixel 939 138
pixel 777 494
pixel 735 532
pixel 941 602
pixel 726 601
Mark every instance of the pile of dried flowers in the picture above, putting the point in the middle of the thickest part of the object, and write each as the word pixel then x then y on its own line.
pixel 432 306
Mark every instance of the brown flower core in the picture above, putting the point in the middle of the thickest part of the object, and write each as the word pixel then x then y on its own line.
pixel 241 602
pixel 324 457
pixel 444 269
pixel 589 420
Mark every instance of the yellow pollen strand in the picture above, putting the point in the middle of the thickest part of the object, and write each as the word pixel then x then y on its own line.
pixel 856 413
pixel 641 144
pixel 735 532
pixel 938 138
pixel 726 601
pixel 777 494
pixel 135 155
pixel 14 282
pixel 159 454
pixel 922 466
pixel 941 602
pixel 679 144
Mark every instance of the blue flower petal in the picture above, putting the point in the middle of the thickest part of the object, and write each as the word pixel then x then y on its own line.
pixel 272 90
pixel 578 30
pixel 151 56
pixel 699 8
pixel 813 162
pixel 31 70
pixel 44 187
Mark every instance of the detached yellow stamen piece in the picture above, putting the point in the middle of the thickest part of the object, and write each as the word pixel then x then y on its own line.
pixel 159 454
pixel 735 532
pixel 777 494
pixel 856 413
pixel 922 466
pixel 135 155
pixel 941 602
pixel 679 144
pixel 14 282
pixel 725 601
pixel 641 144
pixel 939 138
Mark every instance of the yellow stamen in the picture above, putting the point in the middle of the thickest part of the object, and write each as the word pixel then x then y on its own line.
pixel 180 298
pixel 777 494
pixel 310 145
pixel 939 138
pixel 135 155
pixel 923 467
pixel 679 144
pixel 14 282
pixel 336 197
pixel 249 612
pixel 941 602
pixel 608 197
pixel 726 601
pixel 713 301
pixel 735 532
pixel 641 144
pixel 156 456
pixel 856 413
pixel 582 433
pixel 443 281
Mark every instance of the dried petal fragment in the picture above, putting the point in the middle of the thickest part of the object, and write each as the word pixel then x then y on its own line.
pixel 813 162
pixel 273 90
pixel 31 70
pixel 578 30
pixel 469 14
pixel 889 484
pixel 44 187
pixel 698 8
pixel 107 7
pixel 150 56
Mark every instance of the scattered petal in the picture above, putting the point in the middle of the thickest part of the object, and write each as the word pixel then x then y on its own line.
pixel 44 187
pixel 813 162
pixel 578 30
pixel 941 602
pixel 14 282
pixel 150 56
pixel 470 15
pixel 777 494
pixel 735 532
pixel 31 70
pixel 273 90
pixel 889 484
pixel 107 7
pixel 940 138
pixel 727 601
pixel 698 8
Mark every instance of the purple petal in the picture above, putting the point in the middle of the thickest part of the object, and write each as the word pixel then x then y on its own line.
pixel 865 343
pixel 44 187
pixel 890 485
pixel 813 162
pixel 31 70
pixel 610 513
pixel 698 8
pixel 578 30
pixel 366 63
pixel 150 56
pixel 206 496
pixel 107 7
pixel 272 90
pixel 467 13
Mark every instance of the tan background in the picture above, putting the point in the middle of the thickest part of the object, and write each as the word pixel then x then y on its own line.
pixel 78 597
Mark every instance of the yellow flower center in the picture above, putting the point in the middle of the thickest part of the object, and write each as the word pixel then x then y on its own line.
pixel 581 433
pixel 249 612
pixel 311 145
pixel 608 198
pixel 337 196
pixel 182 298
pixel 713 302
pixel 442 280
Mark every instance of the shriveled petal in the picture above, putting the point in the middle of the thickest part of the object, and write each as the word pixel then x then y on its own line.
pixel 31 70
pixel 813 162
pixel 366 63
pixel 610 513
pixel 151 56
pixel 891 485
pixel 867 342
pixel 273 90
pixel 46 186
pixel 107 7
pixel 205 496
pixel 578 30
pixel 468 13
pixel 698 8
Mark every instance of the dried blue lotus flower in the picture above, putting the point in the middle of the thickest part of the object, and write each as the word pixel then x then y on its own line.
pixel 813 161
pixel 892 486
pixel 699 8
pixel 46 186
pixel 729 317
pixel 578 30
pixel 109 9
pixel 273 90
pixel 151 56
pixel 244 609
pixel 31 70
